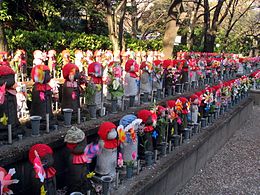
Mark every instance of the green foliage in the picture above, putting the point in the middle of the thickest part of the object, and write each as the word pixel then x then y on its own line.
pixel 89 93
pixel 4 16
pixel 144 45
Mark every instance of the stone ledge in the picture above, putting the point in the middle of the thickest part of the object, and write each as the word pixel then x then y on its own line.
pixel 171 172
pixel 18 151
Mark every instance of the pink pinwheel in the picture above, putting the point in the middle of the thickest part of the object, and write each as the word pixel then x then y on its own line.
pixel 91 151
pixel 6 180
pixel 73 95
pixel 2 94
pixel 120 161
pixel 134 155
pixel 42 96
pixel 39 170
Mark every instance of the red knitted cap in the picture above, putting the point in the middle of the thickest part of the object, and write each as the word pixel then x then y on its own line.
pixel 67 68
pixel 91 67
pixel 128 65
pixel 42 150
pixel 103 130
pixel 157 62
pixel 167 63
pixel 170 103
pixel 193 97
pixel 6 70
pixel 144 115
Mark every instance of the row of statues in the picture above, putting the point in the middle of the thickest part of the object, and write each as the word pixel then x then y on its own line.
pixel 127 142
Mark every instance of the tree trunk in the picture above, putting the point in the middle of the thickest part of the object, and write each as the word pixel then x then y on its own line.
pixel 3 41
pixel 169 37
pixel 133 19
pixel 209 42
pixel 121 29
pixel 111 26
pixel 193 20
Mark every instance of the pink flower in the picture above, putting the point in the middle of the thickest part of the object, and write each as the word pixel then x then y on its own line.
pixel 120 161
pixel 179 121
pixel 134 155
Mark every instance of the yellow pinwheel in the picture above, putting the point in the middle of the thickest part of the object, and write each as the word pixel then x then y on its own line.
pixel 121 135
pixel 90 175
pixel 4 120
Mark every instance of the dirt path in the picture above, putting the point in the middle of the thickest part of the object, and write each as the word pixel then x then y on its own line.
pixel 235 169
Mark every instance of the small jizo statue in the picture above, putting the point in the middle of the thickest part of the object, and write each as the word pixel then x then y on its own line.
pixel 194 108
pixel 41 93
pixel 95 72
pixel 146 80
pixel 129 124
pixel 44 175
pixel 131 80
pixel 71 88
pixel 76 142
pixel 8 102
pixel 52 62
pixel 107 158
pixel 149 121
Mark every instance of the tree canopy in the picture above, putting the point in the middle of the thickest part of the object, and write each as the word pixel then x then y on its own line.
pixel 204 25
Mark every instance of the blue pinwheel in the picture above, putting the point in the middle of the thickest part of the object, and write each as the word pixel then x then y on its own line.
pixel 155 134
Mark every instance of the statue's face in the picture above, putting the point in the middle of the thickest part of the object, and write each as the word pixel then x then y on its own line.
pixel 112 134
pixel 149 121
pixel 74 74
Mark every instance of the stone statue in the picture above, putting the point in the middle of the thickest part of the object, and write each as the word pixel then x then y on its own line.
pixel 76 142
pixel 52 62
pixel 44 175
pixel 107 159
pixel 131 80
pixel 41 92
pixel 95 71
pixel 145 80
pixel 71 88
pixel 194 108
pixel 8 103
pixel 130 125
pixel 149 121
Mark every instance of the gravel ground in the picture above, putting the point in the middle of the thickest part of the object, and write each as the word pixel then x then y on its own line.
pixel 235 169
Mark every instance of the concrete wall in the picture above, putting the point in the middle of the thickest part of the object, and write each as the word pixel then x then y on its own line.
pixel 255 95
pixel 173 171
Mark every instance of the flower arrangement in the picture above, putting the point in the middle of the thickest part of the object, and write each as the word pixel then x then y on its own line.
pixel 114 81
pixel 130 163
pixel 90 92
